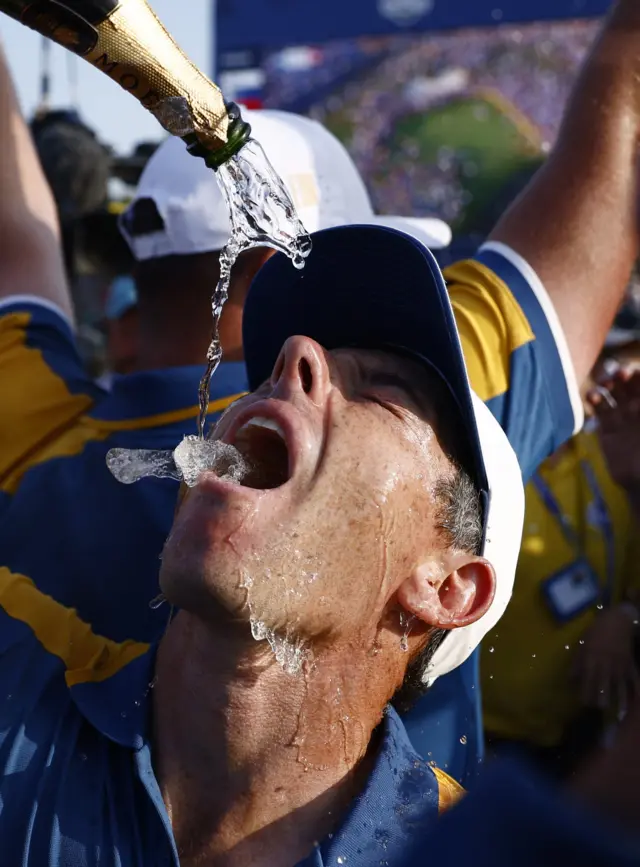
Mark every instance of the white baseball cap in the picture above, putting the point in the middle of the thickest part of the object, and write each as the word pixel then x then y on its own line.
pixel 320 175
pixel 376 287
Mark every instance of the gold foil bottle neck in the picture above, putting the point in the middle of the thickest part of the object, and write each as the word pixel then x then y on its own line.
pixel 129 44
pixel 135 50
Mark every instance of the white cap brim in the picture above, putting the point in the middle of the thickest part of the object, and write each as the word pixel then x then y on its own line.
pixel 318 172
pixel 434 234
pixel 503 539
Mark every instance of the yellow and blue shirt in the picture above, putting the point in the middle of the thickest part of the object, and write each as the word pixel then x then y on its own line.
pixel 77 785
pixel 519 365
pixel 89 541
pixel 528 692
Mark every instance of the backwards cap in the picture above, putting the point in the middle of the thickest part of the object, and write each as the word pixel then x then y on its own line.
pixel 188 213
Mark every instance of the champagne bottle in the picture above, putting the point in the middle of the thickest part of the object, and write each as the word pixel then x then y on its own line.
pixel 126 41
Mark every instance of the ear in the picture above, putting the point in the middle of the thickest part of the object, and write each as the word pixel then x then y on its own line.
pixel 461 598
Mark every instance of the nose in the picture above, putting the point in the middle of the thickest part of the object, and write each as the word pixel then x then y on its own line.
pixel 301 368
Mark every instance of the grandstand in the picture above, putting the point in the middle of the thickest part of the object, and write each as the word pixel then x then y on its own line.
pixel 445 124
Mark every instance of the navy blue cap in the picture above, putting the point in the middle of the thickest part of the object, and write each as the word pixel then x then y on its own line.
pixel 367 286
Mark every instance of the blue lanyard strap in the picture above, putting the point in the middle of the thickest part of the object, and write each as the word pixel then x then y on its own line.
pixel 571 534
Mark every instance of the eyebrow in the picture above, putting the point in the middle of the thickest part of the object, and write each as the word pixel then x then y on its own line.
pixel 389 378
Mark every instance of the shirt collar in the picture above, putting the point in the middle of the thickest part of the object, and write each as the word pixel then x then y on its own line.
pixel 119 707
pixel 155 392
pixel 399 799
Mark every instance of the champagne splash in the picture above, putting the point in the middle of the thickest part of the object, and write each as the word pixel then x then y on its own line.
pixel 191 458
pixel 262 215
pixel 290 653
pixel 126 41
pixel 130 465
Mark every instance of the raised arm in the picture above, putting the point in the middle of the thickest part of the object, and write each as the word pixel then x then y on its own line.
pixel 576 223
pixel 31 261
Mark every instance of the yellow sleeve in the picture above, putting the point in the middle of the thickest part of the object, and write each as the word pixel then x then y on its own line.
pixel 491 324
pixel 515 352
pixel 44 388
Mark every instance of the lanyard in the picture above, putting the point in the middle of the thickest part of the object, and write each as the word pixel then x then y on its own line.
pixel 571 535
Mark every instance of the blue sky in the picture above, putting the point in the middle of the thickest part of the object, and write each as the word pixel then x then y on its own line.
pixel 119 119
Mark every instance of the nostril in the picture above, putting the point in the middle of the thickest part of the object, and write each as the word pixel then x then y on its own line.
pixel 306 377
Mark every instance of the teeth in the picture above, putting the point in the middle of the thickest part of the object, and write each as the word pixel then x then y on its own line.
pixel 269 423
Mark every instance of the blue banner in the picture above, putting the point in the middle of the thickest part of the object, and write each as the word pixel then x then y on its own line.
pixel 259 26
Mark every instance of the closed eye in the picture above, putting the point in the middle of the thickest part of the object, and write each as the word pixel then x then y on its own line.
pixel 394 407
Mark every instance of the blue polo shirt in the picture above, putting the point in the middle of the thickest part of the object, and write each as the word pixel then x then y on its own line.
pixel 65 522
pixel 78 788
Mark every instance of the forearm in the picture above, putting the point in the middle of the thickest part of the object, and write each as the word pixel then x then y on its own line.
pixel 576 224
pixel 31 261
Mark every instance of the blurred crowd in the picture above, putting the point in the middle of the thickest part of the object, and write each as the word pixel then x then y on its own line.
pixel 531 68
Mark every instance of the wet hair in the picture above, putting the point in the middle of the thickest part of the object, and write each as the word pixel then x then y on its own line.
pixel 459 521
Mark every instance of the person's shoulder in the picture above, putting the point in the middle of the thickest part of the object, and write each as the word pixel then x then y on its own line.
pixel 54 756
pixel 515 350
pixel 509 285
pixel 39 339
pixel 30 309
pixel 515 817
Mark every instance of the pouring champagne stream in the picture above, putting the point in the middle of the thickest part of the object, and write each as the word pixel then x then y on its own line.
pixel 127 42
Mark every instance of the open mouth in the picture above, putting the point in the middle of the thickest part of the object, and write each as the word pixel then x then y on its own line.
pixel 263 445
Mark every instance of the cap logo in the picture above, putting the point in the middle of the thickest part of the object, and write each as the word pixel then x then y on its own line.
pixel 304 190
pixel 405 13
pixel 143 218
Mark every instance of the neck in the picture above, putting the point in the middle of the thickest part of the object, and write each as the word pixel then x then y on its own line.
pixel 182 338
pixel 257 764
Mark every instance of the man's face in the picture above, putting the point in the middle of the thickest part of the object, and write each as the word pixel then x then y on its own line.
pixel 338 509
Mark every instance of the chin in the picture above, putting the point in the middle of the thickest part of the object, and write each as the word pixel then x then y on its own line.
pixel 201 569
pixel 222 584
